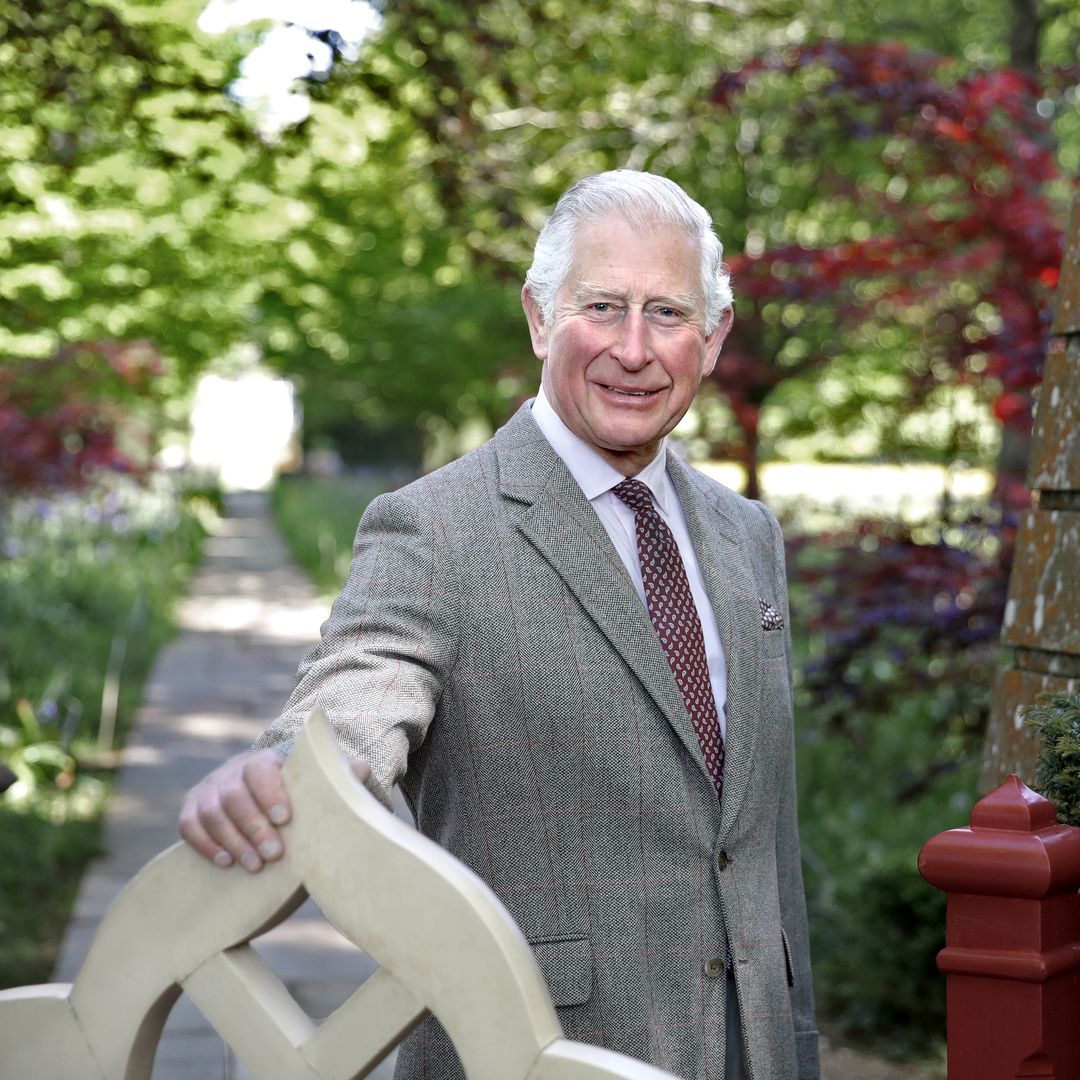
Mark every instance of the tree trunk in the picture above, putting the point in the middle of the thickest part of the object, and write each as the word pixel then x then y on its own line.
pixel 751 460
pixel 1024 38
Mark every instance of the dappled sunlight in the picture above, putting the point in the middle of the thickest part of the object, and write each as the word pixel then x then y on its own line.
pixel 251 616
pixel 242 428
pixel 143 755
pixel 226 614
pixel 218 726
pixel 910 492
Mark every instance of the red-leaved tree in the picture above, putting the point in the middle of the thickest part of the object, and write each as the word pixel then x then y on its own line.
pixel 936 268
pixel 937 183
pixel 63 419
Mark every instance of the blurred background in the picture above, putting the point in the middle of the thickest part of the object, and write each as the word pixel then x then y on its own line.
pixel 280 245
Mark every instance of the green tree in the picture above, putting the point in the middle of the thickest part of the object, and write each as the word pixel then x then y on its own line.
pixel 428 163
pixel 130 206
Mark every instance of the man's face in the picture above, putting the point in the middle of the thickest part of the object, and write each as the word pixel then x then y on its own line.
pixel 625 349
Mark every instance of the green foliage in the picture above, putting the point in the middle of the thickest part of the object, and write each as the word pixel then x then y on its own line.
pixel 318 518
pixel 44 845
pixel 376 250
pixel 83 572
pixel 428 163
pixel 892 767
pixel 866 809
pixel 79 574
pixel 33 751
pixel 1056 717
pixel 882 982
pixel 128 187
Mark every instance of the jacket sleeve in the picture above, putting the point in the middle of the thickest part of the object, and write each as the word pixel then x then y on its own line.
pixel 389 644
pixel 789 861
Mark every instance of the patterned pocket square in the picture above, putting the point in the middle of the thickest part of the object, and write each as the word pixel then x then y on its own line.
pixel 771 619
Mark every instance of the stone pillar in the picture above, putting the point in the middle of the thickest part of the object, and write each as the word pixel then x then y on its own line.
pixel 1042 615
pixel 1012 944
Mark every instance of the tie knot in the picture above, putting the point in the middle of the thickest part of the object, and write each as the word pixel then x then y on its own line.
pixel 635 494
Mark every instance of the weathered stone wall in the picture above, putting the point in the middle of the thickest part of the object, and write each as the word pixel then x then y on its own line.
pixel 1042 616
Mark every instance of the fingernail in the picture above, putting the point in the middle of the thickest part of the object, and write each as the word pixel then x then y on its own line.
pixel 250 861
pixel 277 814
pixel 223 859
pixel 269 849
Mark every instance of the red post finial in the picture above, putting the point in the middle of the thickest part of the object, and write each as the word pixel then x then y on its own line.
pixel 1013 937
pixel 1013 806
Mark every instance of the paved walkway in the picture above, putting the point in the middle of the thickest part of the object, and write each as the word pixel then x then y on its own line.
pixel 249 616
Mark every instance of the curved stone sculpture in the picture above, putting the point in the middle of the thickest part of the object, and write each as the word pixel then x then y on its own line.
pixel 444 943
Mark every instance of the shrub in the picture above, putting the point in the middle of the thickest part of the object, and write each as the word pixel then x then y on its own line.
pixel 89 577
pixel 1056 717
pixel 893 655
pixel 875 963
pixel 87 583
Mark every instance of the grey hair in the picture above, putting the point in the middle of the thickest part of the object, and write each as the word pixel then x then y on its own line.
pixel 634 195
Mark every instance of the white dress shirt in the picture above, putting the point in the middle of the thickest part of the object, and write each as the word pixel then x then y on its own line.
pixel 596 478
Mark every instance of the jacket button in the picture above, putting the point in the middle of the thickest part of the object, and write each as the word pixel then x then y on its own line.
pixel 722 860
pixel 713 969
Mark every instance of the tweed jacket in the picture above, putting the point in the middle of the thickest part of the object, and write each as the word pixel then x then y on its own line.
pixel 489 652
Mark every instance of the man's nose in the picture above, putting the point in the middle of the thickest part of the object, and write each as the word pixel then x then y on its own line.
pixel 631 347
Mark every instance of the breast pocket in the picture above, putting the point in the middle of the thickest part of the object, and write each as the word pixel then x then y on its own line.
pixel 567 968
pixel 774 644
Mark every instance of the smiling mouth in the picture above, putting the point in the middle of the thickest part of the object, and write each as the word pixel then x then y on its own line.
pixel 629 393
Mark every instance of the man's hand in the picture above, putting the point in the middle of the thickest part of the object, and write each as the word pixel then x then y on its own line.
pixel 233 815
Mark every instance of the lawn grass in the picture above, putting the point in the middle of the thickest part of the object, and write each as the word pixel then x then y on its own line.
pixel 318 518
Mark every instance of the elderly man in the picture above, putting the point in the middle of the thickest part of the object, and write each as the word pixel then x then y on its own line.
pixel 571 650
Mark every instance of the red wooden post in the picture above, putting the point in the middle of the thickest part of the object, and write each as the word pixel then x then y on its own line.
pixel 1012 952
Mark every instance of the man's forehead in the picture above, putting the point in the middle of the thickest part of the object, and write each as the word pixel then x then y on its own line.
pixel 648 229
pixel 605 233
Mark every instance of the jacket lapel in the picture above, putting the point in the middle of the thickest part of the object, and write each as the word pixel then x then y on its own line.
pixel 723 552
pixel 556 518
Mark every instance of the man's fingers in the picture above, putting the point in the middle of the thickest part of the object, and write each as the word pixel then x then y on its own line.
pixel 194 834
pixel 228 817
pixel 262 778
pixel 213 817
pixel 243 829
pixel 232 816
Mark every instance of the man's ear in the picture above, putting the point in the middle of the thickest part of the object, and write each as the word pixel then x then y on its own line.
pixel 715 341
pixel 538 330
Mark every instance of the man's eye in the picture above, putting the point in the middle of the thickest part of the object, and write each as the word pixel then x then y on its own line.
pixel 668 313
pixel 601 307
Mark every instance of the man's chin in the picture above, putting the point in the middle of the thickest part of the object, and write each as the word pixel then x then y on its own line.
pixel 627 450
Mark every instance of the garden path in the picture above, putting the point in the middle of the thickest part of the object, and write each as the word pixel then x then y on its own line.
pixel 248 617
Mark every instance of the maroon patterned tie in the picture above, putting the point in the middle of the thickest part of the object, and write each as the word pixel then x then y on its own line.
pixel 675 617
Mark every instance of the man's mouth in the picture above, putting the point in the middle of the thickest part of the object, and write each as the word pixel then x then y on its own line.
pixel 629 393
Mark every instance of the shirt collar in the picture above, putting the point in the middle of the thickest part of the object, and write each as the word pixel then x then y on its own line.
pixel 593 474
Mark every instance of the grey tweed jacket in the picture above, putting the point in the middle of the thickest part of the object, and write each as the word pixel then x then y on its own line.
pixel 489 651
